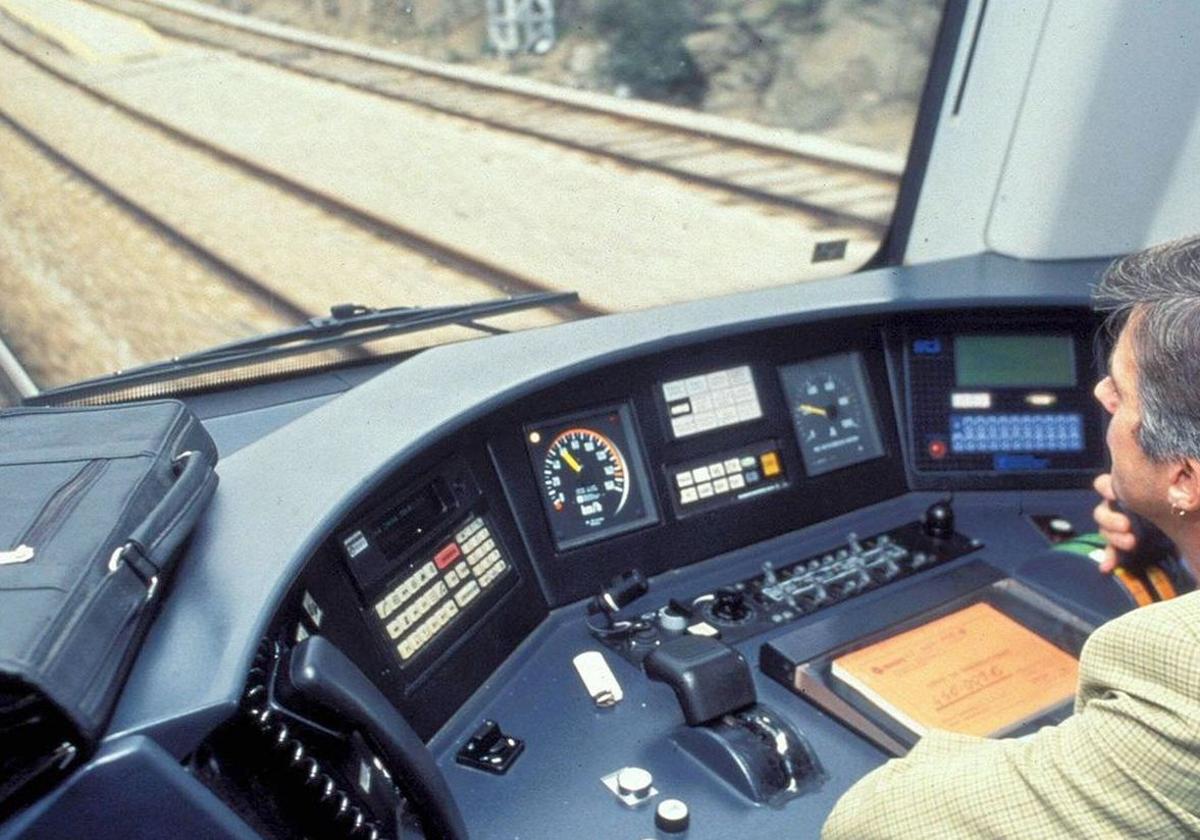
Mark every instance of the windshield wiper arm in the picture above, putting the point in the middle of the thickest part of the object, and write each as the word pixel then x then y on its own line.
pixel 351 323
pixel 346 324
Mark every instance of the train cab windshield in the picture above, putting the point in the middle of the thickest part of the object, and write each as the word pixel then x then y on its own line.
pixel 280 159
pixel 599 418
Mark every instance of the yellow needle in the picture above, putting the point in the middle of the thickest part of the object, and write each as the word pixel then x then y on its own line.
pixel 571 462
pixel 805 408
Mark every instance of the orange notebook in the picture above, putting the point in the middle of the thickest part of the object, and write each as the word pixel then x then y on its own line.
pixel 975 671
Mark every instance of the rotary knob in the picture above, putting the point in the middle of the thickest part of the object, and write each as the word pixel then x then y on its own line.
pixel 730 606
pixel 671 620
pixel 634 782
pixel 671 816
pixel 938 521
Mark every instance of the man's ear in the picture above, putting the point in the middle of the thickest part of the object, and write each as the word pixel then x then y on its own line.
pixel 1184 490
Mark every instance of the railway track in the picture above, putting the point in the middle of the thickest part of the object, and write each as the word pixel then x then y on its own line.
pixel 223 260
pixel 15 382
pixel 454 259
pixel 711 158
pixel 832 186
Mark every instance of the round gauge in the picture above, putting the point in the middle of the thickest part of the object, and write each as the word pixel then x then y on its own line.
pixel 584 476
pixel 832 413
pixel 591 475
pixel 828 409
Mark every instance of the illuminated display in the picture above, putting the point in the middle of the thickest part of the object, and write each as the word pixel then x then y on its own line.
pixel 1014 361
pixel 1001 402
pixel 711 401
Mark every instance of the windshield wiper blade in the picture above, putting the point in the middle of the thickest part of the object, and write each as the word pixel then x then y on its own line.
pixel 346 324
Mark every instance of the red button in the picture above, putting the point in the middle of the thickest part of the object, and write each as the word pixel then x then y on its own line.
pixel 447 555
pixel 937 449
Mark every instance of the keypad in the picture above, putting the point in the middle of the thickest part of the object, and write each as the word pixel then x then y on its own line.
pixel 727 477
pixel 989 433
pixel 711 401
pixel 428 599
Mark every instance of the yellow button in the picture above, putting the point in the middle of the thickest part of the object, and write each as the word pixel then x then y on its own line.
pixel 770 464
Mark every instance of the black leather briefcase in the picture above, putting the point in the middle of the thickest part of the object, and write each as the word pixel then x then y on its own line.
pixel 94 505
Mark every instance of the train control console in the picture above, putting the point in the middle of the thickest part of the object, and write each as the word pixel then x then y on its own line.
pixel 782 594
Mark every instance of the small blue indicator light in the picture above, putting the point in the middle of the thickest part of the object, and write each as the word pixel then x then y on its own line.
pixel 927 346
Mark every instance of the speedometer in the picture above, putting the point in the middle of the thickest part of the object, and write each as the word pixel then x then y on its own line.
pixel 591 477
pixel 584 469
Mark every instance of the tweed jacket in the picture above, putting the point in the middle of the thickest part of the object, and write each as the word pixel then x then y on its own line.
pixel 1126 764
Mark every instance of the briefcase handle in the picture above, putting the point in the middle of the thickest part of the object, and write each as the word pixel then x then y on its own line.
pixel 152 544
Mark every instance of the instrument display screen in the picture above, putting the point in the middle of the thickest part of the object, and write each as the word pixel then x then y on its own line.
pixel 1014 361
pixel 988 401
pixel 710 401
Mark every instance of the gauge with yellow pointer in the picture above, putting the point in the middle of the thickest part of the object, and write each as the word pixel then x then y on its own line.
pixel 832 412
pixel 592 481
pixel 585 470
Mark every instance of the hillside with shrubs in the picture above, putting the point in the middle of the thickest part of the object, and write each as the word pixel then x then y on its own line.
pixel 849 69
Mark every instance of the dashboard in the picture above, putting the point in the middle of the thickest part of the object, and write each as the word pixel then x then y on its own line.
pixel 776 472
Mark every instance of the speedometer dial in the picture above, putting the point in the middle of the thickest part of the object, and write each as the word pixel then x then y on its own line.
pixel 591 476
pixel 584 475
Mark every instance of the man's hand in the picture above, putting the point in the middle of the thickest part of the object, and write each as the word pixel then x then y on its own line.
pixel 1116 528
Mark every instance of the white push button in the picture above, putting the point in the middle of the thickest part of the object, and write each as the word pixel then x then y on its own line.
pixel 634 781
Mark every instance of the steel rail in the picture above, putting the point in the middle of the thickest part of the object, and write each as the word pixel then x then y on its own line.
pixel 507 282
pixel 551 111
pixel 14 379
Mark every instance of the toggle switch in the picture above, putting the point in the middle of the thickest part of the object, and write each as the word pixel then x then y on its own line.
pixel 490 749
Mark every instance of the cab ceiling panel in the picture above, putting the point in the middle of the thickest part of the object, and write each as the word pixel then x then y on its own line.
pixel 1069 129
pixel 1106 154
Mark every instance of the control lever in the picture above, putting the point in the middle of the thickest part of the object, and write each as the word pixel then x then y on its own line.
pixel 746 744
pixel 318 677
pixel 621 590
pixel 938 521
pixel 709 678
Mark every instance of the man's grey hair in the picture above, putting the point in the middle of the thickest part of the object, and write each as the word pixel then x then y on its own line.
pixel 1156 293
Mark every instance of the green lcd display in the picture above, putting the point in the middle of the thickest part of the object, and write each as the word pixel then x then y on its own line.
pixel 1014 361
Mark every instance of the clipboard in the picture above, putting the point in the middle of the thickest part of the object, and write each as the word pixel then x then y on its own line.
pixel 809 673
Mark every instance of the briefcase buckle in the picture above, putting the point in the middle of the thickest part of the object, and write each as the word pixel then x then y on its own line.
pixel 121 555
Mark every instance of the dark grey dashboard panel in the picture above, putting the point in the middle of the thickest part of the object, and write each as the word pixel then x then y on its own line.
pixel 555 789
pixel 236 418
pixel 308 464
pixel 282 495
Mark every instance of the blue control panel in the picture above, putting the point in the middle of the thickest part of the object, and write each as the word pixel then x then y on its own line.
pixel 970 433
pixel 986 400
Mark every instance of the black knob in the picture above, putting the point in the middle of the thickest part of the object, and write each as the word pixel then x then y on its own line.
pixel 730 606
pixel 671 816
pixel 938 521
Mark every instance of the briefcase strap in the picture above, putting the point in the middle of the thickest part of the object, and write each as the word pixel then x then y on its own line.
pixel 152 545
